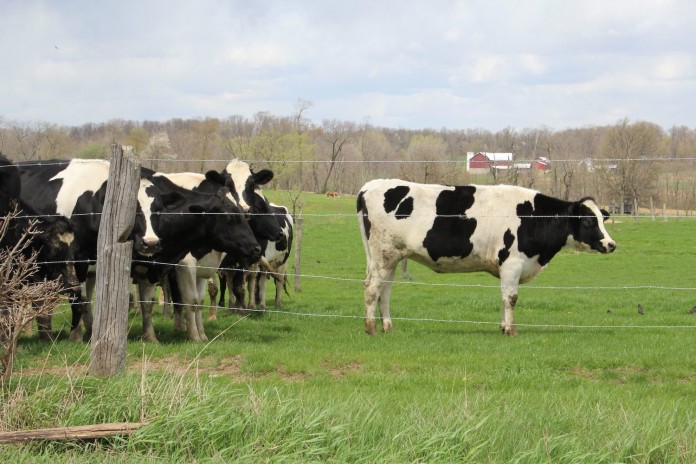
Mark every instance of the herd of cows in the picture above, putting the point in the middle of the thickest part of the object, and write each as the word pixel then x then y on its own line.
pixel 187 225
pixel 190 225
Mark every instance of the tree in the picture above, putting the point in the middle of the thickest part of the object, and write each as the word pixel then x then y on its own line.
pixel 627 169
pixel 22 298
pixel 137 138
pixel 336 135
pixel 158 148
pixel 426 154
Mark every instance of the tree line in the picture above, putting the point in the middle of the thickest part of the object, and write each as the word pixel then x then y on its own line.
pixel 617 164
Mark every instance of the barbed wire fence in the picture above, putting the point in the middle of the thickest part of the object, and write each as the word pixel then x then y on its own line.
pixel 358 281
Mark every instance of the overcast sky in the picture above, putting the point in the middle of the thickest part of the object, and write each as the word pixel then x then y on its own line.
pixel 428 64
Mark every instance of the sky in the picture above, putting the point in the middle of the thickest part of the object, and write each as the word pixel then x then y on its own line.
pixel 435 64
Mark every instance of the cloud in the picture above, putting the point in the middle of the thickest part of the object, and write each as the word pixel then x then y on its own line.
pixel 416 64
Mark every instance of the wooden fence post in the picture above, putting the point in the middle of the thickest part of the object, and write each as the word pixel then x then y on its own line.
pixel 299 224
pixel 114 253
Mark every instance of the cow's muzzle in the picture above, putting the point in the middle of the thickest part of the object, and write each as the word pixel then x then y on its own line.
pixel 606 247
pixel 147 246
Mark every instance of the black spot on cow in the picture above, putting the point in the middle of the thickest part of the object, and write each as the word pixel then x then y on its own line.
pixel 405 208
pixel 393 197
pixel 451 233
pixel 362 208
pixel 504 253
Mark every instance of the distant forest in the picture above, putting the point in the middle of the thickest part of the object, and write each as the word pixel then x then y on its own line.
pixel 617 164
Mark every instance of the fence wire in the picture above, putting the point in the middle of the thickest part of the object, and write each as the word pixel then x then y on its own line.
pixel 360 281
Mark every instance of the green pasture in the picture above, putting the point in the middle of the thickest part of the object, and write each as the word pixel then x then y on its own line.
pixel 587 379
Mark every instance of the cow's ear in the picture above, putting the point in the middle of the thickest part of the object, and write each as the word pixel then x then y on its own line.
pixel 172 200
pixel 605 214
pixel 263 177
pixel 215 177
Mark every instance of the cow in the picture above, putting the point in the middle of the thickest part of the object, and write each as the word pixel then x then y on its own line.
pixel 508 231
pixel 75 190
pixel 51 244
pixel 194 245
pixel 276 254
pixel 248 188
pixel 333 195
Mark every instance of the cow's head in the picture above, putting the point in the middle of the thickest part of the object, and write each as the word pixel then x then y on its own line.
pixel 54 247
pixel 151 202
pixel 228 229
pixel 247 184
pixel 589 232
pixel 10 185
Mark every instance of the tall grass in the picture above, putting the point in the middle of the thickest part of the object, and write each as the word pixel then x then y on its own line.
pixel 587 380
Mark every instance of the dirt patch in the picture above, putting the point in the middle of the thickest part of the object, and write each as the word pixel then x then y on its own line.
pixel 230 367
pixel 342 372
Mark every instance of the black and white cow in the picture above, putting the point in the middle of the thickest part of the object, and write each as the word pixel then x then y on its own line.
pixel 276 254
pixel 194 244
pixel 248 186
pixel 52 242
pixel 510 232
pixel 76 190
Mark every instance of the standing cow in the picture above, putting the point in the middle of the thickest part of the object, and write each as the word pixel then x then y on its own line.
pixel 510 232
pixel 276 254
pixel 52 241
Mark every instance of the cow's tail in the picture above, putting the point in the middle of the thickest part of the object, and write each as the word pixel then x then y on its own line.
pixel 363 223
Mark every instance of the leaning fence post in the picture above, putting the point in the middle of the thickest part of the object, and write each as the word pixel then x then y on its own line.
pixel 299 225
pixel 114 252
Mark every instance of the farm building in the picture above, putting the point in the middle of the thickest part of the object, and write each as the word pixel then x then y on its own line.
pixel 482 162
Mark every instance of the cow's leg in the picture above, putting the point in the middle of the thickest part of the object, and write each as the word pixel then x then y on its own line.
pixel 251 283
pixel 509 283
pixel 134 300
pixel 180 322
pixel 77 306
pixel 279 286
pixel 223 287
pixel 384 297
pixel 187 283
pixel 261 290
pixel 146 292
pixel 235 281
pixel 166 299
pixel 200 291
pixel 87 315
pixel 44 327
pixel 212 293
pixel 377 275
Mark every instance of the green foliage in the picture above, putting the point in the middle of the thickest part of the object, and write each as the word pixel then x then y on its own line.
pixel 587 379
pixel 93 151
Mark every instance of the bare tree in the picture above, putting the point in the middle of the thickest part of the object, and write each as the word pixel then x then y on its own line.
pixel 335 136
pixel 426 154
pixel 22 299
pixel 627 171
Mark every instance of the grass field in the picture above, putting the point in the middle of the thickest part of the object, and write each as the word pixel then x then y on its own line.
pixel 587 379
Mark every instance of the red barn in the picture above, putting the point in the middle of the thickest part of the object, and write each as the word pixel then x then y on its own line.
pixel 482 162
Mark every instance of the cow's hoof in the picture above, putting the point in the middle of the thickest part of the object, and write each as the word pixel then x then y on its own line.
pixel 47 336
pixel 386 325
pixel 508 330
pixel 370 328
pixel 148 337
